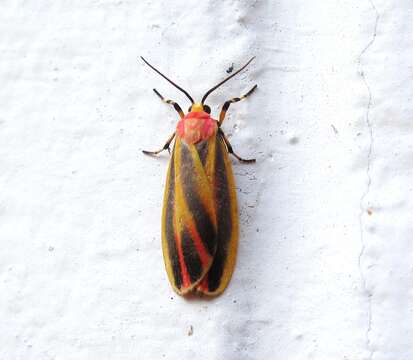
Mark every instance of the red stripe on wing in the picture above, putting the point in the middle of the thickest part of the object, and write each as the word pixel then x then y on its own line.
pixel 200 248
pixel 186 282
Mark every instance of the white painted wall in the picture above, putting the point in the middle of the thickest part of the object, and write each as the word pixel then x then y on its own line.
pixel 324 268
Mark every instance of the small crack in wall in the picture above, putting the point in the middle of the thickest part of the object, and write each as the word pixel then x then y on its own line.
pixel 365 194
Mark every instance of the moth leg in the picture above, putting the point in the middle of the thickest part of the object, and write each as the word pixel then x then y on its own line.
pixel 173 103
pixel 233 100
pixel 231 151
pixel 165 147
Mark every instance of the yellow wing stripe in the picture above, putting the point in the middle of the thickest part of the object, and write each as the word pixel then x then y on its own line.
pixel 210 163
pixel 165 249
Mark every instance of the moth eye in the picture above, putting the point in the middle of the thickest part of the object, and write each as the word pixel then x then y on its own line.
pixel 190 109
pixel 207 109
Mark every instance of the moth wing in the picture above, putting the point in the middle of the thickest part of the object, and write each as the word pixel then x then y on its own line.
pixel 219 172
pixel 189 225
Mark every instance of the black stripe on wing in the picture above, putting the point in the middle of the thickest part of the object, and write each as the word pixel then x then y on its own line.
pixel 202 148
pixel 191 257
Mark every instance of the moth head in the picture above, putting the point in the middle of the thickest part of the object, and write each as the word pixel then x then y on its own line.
pixel 198 107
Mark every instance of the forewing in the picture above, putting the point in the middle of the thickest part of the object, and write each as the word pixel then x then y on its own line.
pixel 189 225
pixel 218 168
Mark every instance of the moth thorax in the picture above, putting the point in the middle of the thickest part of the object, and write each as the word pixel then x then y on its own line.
pixel 195 127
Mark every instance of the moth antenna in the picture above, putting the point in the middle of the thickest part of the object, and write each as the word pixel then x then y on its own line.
pixel 166 78
pixel 225 80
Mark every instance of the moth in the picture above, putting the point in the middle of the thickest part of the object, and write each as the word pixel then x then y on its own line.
pixel 200 212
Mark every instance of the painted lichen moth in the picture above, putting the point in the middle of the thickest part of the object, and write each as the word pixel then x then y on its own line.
pixel 200 214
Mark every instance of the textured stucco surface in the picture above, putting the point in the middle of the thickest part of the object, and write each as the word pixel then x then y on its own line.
pixel 324 267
